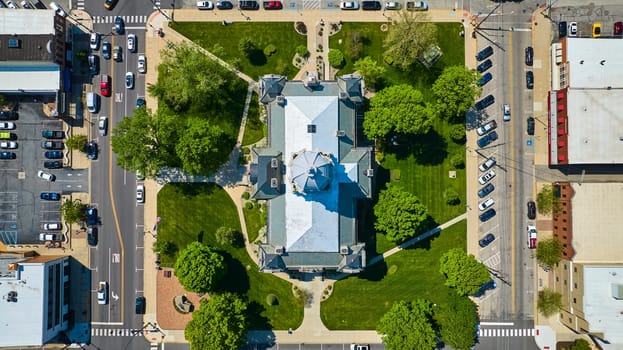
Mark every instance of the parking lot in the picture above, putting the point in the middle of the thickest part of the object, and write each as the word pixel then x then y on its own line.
pixel 22 211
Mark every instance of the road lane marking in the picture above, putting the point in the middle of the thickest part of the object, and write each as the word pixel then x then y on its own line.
pixel 512 143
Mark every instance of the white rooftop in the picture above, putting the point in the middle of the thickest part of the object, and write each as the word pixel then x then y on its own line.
pixel 597 221
pixel 22 22
pixel 595 63
pixel 603 312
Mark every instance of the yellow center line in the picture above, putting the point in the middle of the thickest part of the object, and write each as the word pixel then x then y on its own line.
pixel 512 144
pixel 110 188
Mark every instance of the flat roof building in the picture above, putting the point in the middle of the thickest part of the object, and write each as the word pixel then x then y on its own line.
pixel 312 173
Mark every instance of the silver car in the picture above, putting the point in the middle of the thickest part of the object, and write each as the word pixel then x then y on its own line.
pixel 103 125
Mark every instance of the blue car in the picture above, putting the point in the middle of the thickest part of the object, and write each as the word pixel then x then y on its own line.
pixel 487 215
pixel 92 216
pixel 53 154
pixel 487 240
pixel 119 26
pixel 485 287
pixel 485 79
pixel 487 139
pixel 50 196
pixel 485 190
pixel 481 68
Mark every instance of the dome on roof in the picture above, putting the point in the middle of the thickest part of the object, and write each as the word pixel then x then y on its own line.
pixel 311 171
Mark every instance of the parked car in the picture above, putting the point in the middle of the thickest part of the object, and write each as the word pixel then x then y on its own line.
pixel 531 210
pixel 140 305
pixel 506 110
pixel 106 49
pixel 531 230
pixel 618 28
pixel 484 53
pixel 205 5
pixel 131 43
pixel 140 194
pixel 52 134
pixel 116 53
pixel 102 125
pixel 94 64
pixel 8 115
pixel 248 5
pixel 481 68
pixel 573 29
pixel 485 102
pixel 416 6
pixel 39 5
pixel 596 32
pixel 105 85
pixel 224 5
pixel 59 10
pixel 359 347
pixel 11 4
pixel 27 5
pixel 486 240
pixel 491 125
pixel 272 5
pixel 52 145
pixel 92 236
pixel 529 80
pixel 486 204
pixel 91 150
pixel 484 79
pixel 50 196
pixel 52 164
pixel 530 126
pixel 51 237
pixel 562 29
pixel 529 56
pixel 53 154
pixel 129 80
pixel 94 41
pixel 102 293
pixel 487 139
pixel 91 216
pixel 52 226
pixel 487 215
pixel 8 144
pixel 109 4
pixel 7 125
pixel 371 5
pixel 46 176
pixel 486 177
pixel 7 136
pixel 393 5
pixel 7 155
pixel 349 5
pixel 139 175
pixel 484 288
pixel 142 64
pixel 119 28
pixel 485 190
pixel 140 102
pixel 488 164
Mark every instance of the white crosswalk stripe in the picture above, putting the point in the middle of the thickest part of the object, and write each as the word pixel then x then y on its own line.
pixel 311 4
pixel 506 332
pixel 156 4
pixel 80 4
pixel 115 332
pixel 126 19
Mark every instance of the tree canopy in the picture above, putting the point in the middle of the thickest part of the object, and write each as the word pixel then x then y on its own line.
pixel 549 302
pixel 399 214
pixel 220 323
pixel 76 142
pixel 73 211
pixel 399 108
pixel 463 272
pixel 456 322
pixel 549 251
pixel 408 37
pixel 455 91
pixel 202 147
pixel 370 69
pixel 199 268
pixel 407 326
pixel 547 201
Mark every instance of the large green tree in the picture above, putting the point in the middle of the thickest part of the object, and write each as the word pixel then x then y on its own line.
pixel 455 91
pixel 399 214
pixel 399 108
pixel 76 142
pixel 549 302
pixel 549 251
pixel 221 323
pixel 547 201
pixel 463 272
pixel 199 268
pixel 407 326
pixel 408 37
pixel 202 147
pixel 73 211
pixel 370 69
pixel 456 320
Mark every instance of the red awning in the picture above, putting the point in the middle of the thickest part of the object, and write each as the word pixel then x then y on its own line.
pixel 561 131
pixel 561 143
pixel 561 108
pixel 561 157
pixel 561 120
pixel 560 95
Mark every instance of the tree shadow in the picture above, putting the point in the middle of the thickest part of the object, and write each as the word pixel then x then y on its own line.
pixel 257 57
pixel 189 189
pixel 374 272
pixel 237 279
pixel 256 320
pixel 427 149
pixel 200 236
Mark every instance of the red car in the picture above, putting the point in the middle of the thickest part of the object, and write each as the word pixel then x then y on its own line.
pixel 618 28
pixel 273 5
pixel 105 85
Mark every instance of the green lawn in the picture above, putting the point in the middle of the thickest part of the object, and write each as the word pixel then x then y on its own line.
pixel 255 219
pixel 193 212
pixel 358 302
pixel 254 130
pixel 282 35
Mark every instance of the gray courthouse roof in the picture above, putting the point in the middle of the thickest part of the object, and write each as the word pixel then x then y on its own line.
pixel 312 173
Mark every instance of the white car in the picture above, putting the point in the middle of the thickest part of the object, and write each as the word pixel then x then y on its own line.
pixel 349 5
pixel 27 5
pixel 531 229
pixel 11 4
pixel 573 29
pixel 359 347
pixel 205 5
pixel 7 126
pixel 131 43
pixel 46 176
pixel 8 144
pixel 129 80
pixel 54 237
pixel 102 293
pixel 140 194
pixel 392 5
pixel 487 127
pixel 59 10
pixel 417 6
pixel 507 112
pixel 487 164
pixel 55 226
pixel 486 177
pixel 486 204
pixel 94 41
pixel 103 125
pixel 142 64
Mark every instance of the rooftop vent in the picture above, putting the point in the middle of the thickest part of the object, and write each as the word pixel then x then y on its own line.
pixel 344 250
pixel 280 250
pixel 14 43
pixel 343 95
pixel 311 128
pixel 281 100
pixel 274 163
pixel 274 183
pixel 340 133
pixel 369 172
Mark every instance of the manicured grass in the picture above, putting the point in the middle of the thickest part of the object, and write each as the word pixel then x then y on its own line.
pixel 254 130
pixel 255 219
pixel 193 212
pixel 282 35
pixel 360 301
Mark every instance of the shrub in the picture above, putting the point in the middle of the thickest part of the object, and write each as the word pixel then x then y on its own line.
pixel 77 142
pixel 246 46
pixel 451 196
pixel 246 195
pixel 457 133
pixel 228 236
pixel 246 150
pixel 389 60
pixel 301 50
pixel 301 28
pixel 336 58
pixel 166 248
pixel 271 299
pixel 248 205
pixel 270 49
pixel 457 161
pixel 355 46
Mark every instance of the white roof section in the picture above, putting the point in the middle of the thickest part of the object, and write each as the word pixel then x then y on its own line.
pixel 26 22
pixel 595 125
pixel 312 220
pixel 595 63
pixel 601 310
pixel 44 80
pixel 21 323
pixel 596 227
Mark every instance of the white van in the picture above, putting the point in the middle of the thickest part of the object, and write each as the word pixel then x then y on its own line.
pixel 93 102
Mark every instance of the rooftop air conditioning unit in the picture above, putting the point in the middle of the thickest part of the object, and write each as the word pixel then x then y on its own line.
pixel 274 183
pixel 343 95
pixel 274 163
pixel 344 250
pixel 340 133
pixel 369 172
pixel 280 250
pixel 281 99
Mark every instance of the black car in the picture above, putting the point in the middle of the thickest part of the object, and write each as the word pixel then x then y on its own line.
pixel 50 196
pixel 562 29
pixel 119 26
pixel 91 218
pixel 52 145
pixel 106 50
pixel 7 155
pixel 484 66
pixel 487 215
pixel 485 190
pixel 92 236
pixel 371 5
pixel 531 210
pixel 49 134
pixel 140 305
pixel 248 5
pixel 487 139
pixel 530 128
pixel 529 55
pixel 485 102
pixel 484 53
pixel 486 240
pixel 52 164
pixel 53 154
pixel 224 5
pixel 39 5
pixel 94 64
pixel 109 4
pixel 529 80
pixel 8 115
pixel 91 149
